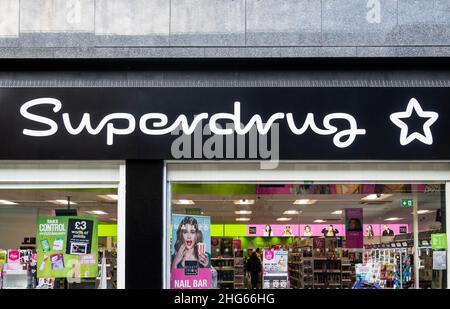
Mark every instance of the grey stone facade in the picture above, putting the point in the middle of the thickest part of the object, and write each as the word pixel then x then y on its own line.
pixel 223 28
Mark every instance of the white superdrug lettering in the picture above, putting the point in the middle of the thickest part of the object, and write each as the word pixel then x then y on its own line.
pixel 158 124
pixel 111 130
pixel 352 132
pixel 53 125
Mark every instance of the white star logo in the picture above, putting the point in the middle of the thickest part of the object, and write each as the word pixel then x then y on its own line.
pixel 404 138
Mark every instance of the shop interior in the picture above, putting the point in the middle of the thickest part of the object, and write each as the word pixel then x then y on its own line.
pixel 325 235
pixel 19 214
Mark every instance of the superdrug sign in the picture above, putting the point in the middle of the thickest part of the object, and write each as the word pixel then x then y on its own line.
pixel 225 123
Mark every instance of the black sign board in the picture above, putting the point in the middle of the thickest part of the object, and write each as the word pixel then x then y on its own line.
pixel 79 236
pixel 297 123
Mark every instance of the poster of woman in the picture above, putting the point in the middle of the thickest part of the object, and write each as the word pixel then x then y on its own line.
pixel 191 252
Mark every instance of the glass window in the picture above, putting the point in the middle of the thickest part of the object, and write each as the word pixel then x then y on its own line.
pixel 58 238
pixel 352 235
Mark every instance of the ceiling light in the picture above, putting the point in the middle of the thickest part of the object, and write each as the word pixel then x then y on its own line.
pixel 97 212
pixel 291 212
pixel 304 202
pixel 374 197
pixel 393 219
pixel 244 202
pixel 109 197
pixel 243 212
pixel 320 221
pixel 337 212
pixel 184 202
pixel 424 211
pixel 242 219
pixel 284 219
pixel 61 202
pixel 5 202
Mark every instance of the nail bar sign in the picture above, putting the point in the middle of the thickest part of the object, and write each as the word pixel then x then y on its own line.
pixel 297 123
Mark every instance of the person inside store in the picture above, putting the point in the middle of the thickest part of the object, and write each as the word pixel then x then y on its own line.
pixel 387 231
pixel 189 245
pixel 330 231
pixel 369 231
pixel 268 230
pixel 258 254
pixel 254 267
pixel 307 231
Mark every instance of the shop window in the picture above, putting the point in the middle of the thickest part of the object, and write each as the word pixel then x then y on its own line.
pixel 58 238
pixel 307 236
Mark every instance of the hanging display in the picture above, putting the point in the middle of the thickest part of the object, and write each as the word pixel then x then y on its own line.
pixel 67 247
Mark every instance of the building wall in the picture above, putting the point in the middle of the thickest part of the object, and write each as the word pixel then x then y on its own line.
pixel 223 28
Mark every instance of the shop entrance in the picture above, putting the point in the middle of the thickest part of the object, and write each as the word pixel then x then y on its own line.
pixel 305 234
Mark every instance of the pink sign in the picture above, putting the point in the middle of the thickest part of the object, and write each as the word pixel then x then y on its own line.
pixel 371 230
pixel 201 280
pixel 14 260
pixel 309 230
pixel 268 255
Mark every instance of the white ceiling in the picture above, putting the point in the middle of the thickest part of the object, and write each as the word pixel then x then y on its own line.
pixel 38 200
pixel 268 208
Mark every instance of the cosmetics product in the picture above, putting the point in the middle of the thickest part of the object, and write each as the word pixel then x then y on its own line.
pixel 41 267
pixel 57 261
pixel 45 245
pixel 58 244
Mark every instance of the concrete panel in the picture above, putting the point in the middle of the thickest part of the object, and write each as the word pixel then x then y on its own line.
pixel 9 18
pixel 423 12
pixel 207 23
pixel 283 22
pixel 404 51
pixel 54 40
pixel 56 16
pixel 423 22
pixel 134 18
pixel 242 52
pixel 359 22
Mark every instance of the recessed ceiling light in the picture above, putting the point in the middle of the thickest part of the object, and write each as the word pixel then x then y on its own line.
pixel 5 202
pixel 337 212
pixel 61 202
pixel 242 219
pixel 109 197
pixel 319 221
pixel 424 211
pixel 244 202
pixel 291 212
pixel 304 202
pixel 184 202
pixel 97 212
pixel 243 212
pixel 374 197
pixel 284 219
pixel 393 219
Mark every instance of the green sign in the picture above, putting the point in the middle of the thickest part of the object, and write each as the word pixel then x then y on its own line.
pixel 2 257
pixel 439 241
pixel 193 211
pixel 67 247
pixel 407 203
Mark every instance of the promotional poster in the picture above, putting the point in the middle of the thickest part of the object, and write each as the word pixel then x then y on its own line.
pixel 67 247
pixel 275 269
pixel 354 228
pixel 191 252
